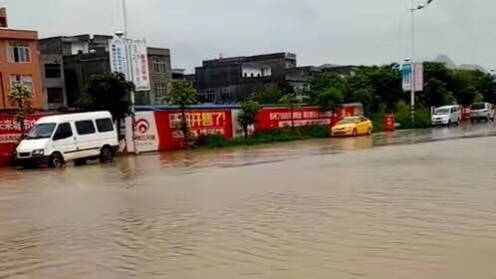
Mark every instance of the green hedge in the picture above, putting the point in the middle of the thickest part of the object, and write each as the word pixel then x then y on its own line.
pixel 273 136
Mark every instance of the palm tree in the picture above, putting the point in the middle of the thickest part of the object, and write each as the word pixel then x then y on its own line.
pixel 21 98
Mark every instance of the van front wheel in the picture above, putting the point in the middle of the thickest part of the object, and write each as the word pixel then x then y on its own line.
pixel 106 155
pixel 56 160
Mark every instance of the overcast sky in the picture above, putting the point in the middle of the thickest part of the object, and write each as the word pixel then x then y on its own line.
pixel 318 31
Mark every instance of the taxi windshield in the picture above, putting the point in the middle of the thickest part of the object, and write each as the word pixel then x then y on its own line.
pixel 349 120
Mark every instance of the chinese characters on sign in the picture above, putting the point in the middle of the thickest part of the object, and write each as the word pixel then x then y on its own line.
pixel 200 123
pixel 139 65
pixel 10 129
pixel 137 71
pixel 118 57
pixel 296 115
pixel 10 125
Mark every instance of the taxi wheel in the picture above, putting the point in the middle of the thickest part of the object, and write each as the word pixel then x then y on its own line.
pixel 355 133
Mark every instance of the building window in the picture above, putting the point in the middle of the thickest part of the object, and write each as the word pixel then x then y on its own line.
pixel 160 90
pixel 210 97
pixel 55 95
pixel 53 71
pixel 25 80
pixel 19 53
pixel 159 64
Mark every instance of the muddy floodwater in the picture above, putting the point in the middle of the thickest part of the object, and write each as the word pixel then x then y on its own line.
pixel 348 208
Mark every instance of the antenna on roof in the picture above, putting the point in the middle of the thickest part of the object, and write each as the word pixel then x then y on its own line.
pixel 221 55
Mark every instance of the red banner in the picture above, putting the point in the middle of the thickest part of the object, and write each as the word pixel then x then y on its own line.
pixel 199 123
pixel 276 118
pixel 10 133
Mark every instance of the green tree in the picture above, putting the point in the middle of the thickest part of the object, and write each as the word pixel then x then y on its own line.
pixel 267 96
pixel 248 115
pixel 330 99
pixel 385 82
pixel 466 96
pixel 435 93
pixel 21 97
pixel 364 96
pixel 182 94
pixel 110 92
pixel 486 85
pixel 355 83
pixel 289 99
pixel 478 98
pixel 322 82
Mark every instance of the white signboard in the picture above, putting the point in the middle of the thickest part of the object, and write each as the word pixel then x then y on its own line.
pixel 419 77
pixel 118 58
pixel 145 134
pixel 139 65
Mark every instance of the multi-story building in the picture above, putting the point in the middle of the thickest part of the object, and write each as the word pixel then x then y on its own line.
pixel 227 80
pixel 81 57
pixel 19 63
pixel 159 62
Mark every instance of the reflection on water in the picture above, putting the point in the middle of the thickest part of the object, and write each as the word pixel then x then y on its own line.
pixel 301 210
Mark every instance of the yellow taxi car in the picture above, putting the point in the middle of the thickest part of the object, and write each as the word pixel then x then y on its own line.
pixel 353 126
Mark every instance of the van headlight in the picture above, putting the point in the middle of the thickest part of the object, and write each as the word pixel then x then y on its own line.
pixel 38 152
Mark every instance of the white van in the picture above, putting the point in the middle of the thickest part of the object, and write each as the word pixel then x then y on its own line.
pixel 57 139
pixel 481 111
pixel 447 115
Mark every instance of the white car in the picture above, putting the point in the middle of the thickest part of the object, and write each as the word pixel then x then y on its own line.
pixel 57 139
pixel 481 111
pixel 447 115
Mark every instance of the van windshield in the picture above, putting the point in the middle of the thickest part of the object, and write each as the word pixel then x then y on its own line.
pixel 442 111
pixel 41 131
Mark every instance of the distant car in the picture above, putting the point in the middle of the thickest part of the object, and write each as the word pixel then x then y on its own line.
pixel 353 126
pixel 481 111
pixel 447 115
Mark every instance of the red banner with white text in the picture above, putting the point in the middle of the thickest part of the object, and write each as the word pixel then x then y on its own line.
pixel 10 133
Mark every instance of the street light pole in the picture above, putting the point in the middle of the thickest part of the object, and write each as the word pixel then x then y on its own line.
pixel 130 75
pixel 130 71
pixel 412 10
pixel 412 53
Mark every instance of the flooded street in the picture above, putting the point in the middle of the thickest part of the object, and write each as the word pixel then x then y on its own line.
pixel 415 204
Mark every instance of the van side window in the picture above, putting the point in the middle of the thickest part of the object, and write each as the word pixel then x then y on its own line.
pixel 104 125
pixel 85 127
pixel 64 131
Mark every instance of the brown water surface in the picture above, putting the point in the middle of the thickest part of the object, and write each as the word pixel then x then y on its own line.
pixel 318 209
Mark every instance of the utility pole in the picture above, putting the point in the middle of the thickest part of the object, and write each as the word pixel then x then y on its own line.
pixel 412 53
pixel 130 74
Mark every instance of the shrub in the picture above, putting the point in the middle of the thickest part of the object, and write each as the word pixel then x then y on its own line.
pixel 422 117
pixel 271 136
